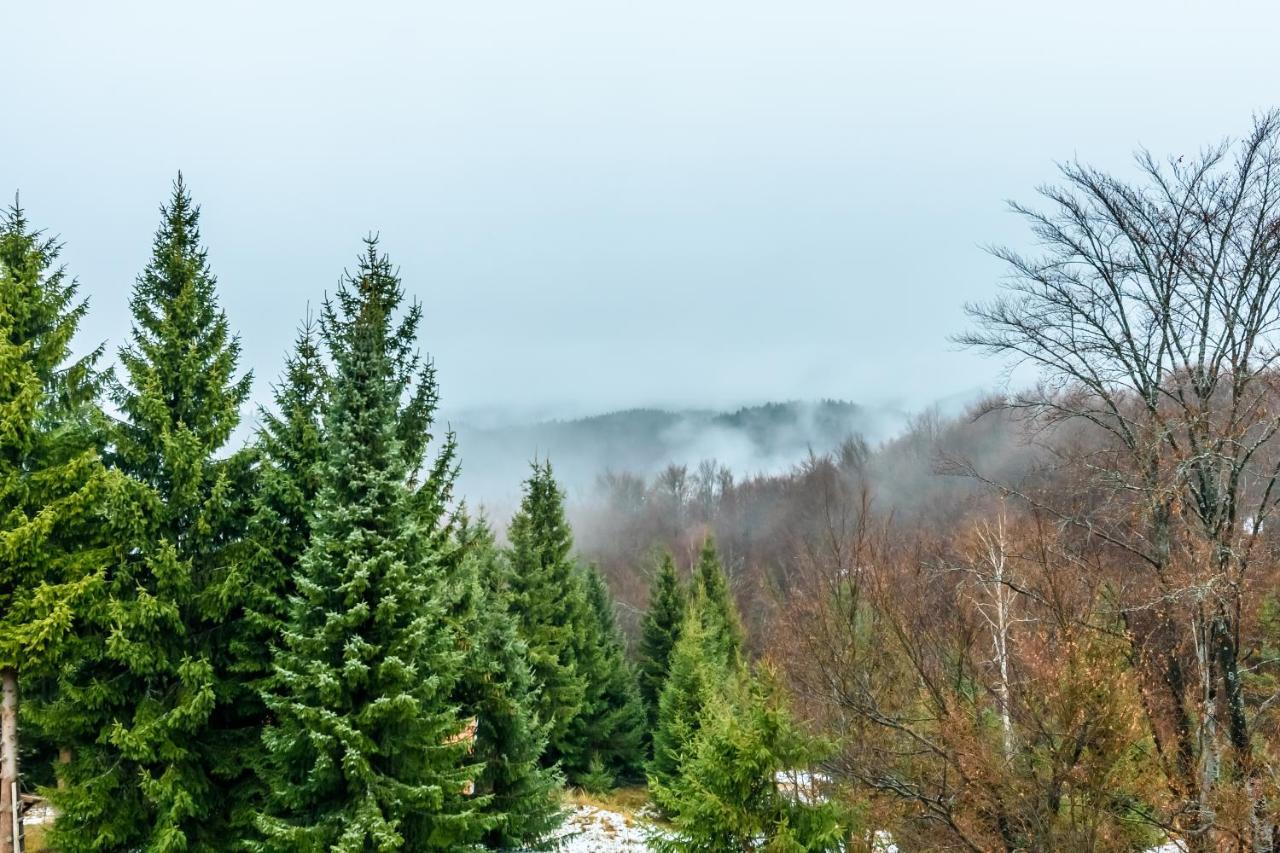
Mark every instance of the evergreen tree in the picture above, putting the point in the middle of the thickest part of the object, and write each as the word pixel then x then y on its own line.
pixel 587 693
pixel 719 612
pixel 729 794
pixel 550 606
pixel 699 673
pixel 53 486
pixel 497 689
pixel 290 453
pixel 659 632
pixel 366 751
pixel 705 662
pixel 606 738
pixel 150 707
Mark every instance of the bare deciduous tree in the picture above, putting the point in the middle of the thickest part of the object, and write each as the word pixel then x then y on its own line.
pixel 1151 312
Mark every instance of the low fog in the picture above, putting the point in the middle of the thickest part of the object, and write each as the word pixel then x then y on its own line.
pixel 750 441
pixel 762 439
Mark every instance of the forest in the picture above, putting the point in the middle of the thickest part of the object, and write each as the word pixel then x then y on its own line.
pixel 1051 623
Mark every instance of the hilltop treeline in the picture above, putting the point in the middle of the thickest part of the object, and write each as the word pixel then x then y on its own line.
pixel 763 438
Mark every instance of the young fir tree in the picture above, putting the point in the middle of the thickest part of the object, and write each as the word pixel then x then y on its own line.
pixel 53 486
pixel 366 751
pixel 605 740
pixel 157 746
pixel 549 602
pixel 290 452
pixel 700 671
pixel 659 632
pixel 497 690
pixel 728 793
pixel 719 612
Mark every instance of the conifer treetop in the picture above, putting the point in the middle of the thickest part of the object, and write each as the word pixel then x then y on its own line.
pixel 52 484
pixel 182 359
pixel 45 312
pixel 659 632
pixel 719 612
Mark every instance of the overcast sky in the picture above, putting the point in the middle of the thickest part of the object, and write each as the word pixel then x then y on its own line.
pixel 607 204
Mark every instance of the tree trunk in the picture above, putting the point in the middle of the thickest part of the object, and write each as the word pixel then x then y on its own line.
pixel 64 760
pixel 1153 639
pixel 1262 825
pixel 1002 657
pixel 1210 758
pixel 8 759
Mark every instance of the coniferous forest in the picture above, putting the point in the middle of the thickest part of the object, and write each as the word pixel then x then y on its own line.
pixel 1050 623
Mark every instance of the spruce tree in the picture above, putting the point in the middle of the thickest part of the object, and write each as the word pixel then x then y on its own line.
pixel 699 673
pixel 730 792
pixel 497 690
pixel 289 454
pixel 705 662
pixel 549 602
pixel 53 486
pixel 659 632
pixel 605 740
pixel 719 612
pixel 157 744
pixel 367 751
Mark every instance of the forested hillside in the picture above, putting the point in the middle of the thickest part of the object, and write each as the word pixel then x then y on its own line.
pixel 752 440
pixel 759 520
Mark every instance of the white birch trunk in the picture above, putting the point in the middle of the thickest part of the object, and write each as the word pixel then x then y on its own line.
pixel 9 807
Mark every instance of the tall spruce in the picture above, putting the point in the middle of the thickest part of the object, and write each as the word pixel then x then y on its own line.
pixel 156 745
pixel 290 453
pixel 605 740
pixel 53 486
pixel 550 604
pixel 367 751
pixel 497 690
pixel 659 632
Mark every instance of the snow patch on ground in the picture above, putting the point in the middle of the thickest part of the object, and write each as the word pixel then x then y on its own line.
pixel 588 829
pixel 38 813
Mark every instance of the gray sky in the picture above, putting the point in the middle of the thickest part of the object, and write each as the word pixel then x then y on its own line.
pixel 606 204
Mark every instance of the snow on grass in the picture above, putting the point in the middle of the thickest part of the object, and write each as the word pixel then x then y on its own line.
pixel 591 829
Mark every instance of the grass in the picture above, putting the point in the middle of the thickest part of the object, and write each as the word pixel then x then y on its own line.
pixel 33 839
pixel 625 801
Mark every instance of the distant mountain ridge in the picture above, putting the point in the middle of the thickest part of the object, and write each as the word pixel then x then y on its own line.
pixel 748 440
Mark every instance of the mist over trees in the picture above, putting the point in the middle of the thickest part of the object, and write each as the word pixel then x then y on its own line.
pixel 758 439
pixel 1051 623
